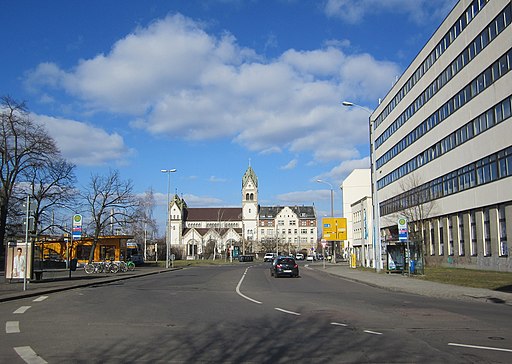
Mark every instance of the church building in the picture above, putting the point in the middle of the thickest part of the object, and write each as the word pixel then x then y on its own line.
pixel 200 231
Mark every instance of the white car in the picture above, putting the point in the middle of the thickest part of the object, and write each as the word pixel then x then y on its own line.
pixel 299 256
pixel 310 258
pixel 269 257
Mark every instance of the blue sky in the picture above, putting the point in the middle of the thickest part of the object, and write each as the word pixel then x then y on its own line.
pixel 208 87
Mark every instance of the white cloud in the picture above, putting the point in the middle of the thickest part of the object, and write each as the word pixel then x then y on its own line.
pixel 342 170
pixel 290 165
pixel 172 78
pixel 214 179
pixel 84 144
pixel 202 201
pixel 299 197
pixel 417 11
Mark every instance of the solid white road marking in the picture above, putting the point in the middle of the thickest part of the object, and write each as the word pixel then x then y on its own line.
pixel 373 332
pixel 480 347
pixel 240 293
pixel 286 311
pixel 12 327
pixel 28 355
pixel 39 299
pixel 338 324
pixel 22 309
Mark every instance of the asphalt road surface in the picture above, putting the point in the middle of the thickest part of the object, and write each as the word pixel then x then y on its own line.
pixel 240 314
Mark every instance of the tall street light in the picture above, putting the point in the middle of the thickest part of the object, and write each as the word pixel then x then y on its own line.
pixel 330 186
pixel 377 248
pixel 168 226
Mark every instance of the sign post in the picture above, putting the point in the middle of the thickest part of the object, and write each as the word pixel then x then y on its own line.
pixel 334 229
pixel 403 236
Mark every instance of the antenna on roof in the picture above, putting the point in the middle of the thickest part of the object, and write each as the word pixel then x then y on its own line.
pixel 249 162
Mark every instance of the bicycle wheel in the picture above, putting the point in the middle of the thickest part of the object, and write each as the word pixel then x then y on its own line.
pixel 89 268
pixel 131 266
pixel 123 267
pixel 114 267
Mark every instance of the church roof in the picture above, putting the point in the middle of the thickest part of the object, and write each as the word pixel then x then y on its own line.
pixel 250 174
pixel 214 214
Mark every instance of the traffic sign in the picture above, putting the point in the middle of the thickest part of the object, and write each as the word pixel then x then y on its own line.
pixel 77 227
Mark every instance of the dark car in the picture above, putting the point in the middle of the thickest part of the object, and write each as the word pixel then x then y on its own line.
pixel 284 266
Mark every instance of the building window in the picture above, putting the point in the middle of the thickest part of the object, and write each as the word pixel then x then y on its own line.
pixel 487 233
pixel 441 240
pixel 280 222
pixel 472 221
pixel 462 248
pixel 432 240
pixel 450 236
pixel 503 232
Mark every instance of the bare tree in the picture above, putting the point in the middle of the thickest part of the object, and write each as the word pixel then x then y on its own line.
pixel 417 206
pixel 144 224
pixel 109 199
pixel 268 244
pixel 51 188
pixel 24 145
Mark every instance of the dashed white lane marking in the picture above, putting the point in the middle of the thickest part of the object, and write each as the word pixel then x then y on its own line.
pixel 22 309
pixel 28 355
pixel 39 299
pixel 372 332
pixel 286 311
pixel 480 347
pixel 12 327
pixel 338 324
pixel 240 293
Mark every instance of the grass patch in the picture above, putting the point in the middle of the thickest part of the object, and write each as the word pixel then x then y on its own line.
pixel 501 281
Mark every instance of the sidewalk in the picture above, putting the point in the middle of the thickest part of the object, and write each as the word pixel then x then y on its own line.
pixel 403 283
pixel 58 280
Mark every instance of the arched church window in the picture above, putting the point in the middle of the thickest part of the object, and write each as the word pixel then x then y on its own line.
pixel 247 196
pixel 252 196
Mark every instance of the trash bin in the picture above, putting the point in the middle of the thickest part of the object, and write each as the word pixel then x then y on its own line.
pixel 412 266
pixel 73 264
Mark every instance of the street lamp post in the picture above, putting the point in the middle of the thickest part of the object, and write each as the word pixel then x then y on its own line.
pixel 330 186
pixel 377 248
pixel 168 226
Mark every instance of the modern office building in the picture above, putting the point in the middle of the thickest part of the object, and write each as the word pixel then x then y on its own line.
pixel 247 229
pixel 443 141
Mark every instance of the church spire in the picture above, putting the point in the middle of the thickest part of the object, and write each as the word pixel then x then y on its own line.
pixel 250 174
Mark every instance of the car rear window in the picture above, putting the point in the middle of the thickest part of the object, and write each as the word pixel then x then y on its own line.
pixel 287 261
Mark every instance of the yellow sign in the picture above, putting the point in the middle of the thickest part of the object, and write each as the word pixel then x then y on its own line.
pixel 334 228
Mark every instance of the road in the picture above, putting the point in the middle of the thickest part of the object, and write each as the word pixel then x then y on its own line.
pixel 228 314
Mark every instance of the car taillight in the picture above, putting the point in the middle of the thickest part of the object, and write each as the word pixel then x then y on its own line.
pixel 278 266
pixel 296 266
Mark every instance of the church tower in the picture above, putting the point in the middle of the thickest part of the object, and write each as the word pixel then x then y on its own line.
pixel 250 205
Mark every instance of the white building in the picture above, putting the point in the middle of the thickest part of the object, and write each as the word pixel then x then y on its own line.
pixel 444 140
pixel 353 188
pixel 362 232
pixel 194 231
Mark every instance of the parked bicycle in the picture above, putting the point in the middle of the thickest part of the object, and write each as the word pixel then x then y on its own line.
pixel 101 267
pixel 109 267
